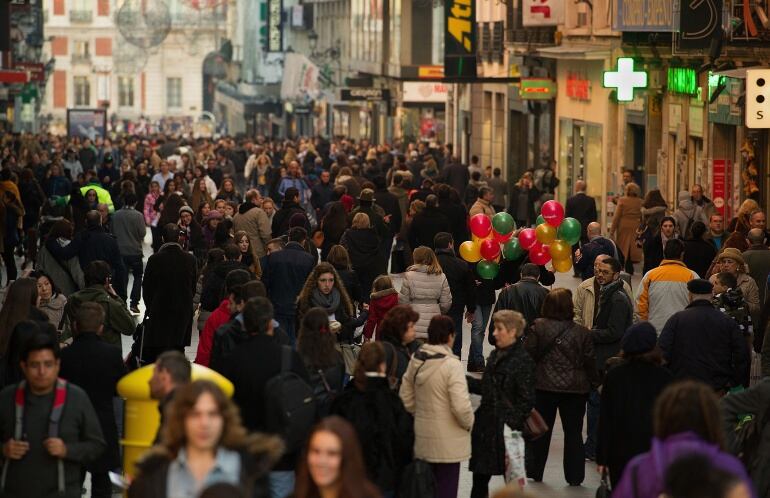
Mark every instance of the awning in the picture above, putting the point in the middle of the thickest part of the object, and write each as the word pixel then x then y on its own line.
pixel 574 52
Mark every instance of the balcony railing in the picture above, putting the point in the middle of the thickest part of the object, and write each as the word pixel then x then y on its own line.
pixel 81 16
pixel 81 59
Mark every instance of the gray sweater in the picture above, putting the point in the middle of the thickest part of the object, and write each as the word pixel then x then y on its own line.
pixel 129 228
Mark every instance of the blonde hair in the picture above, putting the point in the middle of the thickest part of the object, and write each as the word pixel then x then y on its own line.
pixel 747 207
pixel 424 255
pixel 416 207
pixel 511 320
pixel 633 190
pixel 360 220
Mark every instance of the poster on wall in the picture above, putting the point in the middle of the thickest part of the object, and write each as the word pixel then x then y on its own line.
pixel 460 40
pixel 86 123
pixel 542 12
pixel 720 186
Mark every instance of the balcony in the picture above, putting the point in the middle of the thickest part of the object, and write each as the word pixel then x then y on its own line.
pixel 80 59
pixel 81 16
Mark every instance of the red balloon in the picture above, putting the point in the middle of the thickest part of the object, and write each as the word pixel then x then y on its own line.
pixel 501 238
pixel 541 256
pixel 527 238
pixel 490 249
pixel 480 225
pixel 553 212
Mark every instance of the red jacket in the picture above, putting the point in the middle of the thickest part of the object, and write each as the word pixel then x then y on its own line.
pixel 217 318
pixel 381 302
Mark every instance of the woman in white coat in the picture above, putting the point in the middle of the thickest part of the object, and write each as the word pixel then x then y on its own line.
pixel 425 288
pixel 435 391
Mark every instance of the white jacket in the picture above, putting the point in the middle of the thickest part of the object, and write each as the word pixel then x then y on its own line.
pixel 429 295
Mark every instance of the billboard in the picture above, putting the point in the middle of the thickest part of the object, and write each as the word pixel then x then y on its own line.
pixel 86 123
pixel 460 39
pixel 644 15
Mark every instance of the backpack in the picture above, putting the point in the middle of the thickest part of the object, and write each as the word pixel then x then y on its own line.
pixel 748 437
pixel 290 405
pixel 687 235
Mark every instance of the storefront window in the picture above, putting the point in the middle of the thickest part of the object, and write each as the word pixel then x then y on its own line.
pixel 580 156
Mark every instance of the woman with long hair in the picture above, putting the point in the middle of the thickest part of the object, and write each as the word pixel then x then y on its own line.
pixel 338 257
pixel 523 198
pixel 316 344
pixel 228 191
pixel 742 220
pixel 199 195
pixel 397 332
pixel 686 419
pixel 625 416
pixel 323 289
pixel 383 425
pixel 654 209
pixel 332 465
pixel 20 304
pixel 625 223
pixel 203 442
pixel 425 288
pixel 248 258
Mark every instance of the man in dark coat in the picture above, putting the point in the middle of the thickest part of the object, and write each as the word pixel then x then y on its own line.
pixel 168 287
pixel 284 274
pixel 289 207
pixel 427 223
pixel 390 204
pixel 455 211
pixel 213 291
pixel 462 284
pixel 96 367
pixel 702 343
pixel 525 296
pixel 586 255
pixel 456 175
pixel 321 193
pixel 581 207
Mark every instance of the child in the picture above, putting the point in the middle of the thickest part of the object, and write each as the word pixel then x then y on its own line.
pixel 382 299
pixel 728 299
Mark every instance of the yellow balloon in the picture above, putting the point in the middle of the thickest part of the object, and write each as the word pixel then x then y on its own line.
pixel 478 240
pixel 545 233
pixel 469 251
pixel 562 265
pixel 560 250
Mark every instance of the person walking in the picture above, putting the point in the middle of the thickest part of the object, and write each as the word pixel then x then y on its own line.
pixel 252 219
pixel 129 228
pixel 565 372
pixel 525 296
pixel 499 189
pixel 507 398
pixel 687 213
pixel 462 286
pixel 597 244
pixel 625 417
pixel 583 208
pixel 426 224
pixel 586 297
pixel 698 252
pixel 483 204
pixel 625 222
pixel 399 340
pixel 653 246
pixel 364 248
pixel 316 344
pixel 324 289
pixel 434 389
pixel 523 199
pixel 425 288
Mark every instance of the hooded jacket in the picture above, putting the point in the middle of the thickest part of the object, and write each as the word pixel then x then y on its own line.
pixel 379 304
pixel 687 213
pixel 435 391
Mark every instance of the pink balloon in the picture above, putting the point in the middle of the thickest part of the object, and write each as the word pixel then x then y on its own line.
pixel 490 249
pixel 541 256
pixel 527 238
pixel 501 238
pixel 480 225
pixel 553 212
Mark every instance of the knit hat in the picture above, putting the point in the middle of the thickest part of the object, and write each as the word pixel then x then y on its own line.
pixel 700 286
pixel 213 215
pixel 186 209
pixel 639 338
pixel 732 253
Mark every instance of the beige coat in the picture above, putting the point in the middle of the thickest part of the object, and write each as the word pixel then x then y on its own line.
pixel 583 302
pixel 628 217
pixel 483 207
pixel 436 393
pixel 429 295
pixel 257 226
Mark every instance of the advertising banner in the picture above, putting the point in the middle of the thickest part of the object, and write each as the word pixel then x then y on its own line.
pixel 644 15
pixel 460 40
pixel 86 123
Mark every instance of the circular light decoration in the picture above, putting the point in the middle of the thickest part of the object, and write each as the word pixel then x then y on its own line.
pixel 144 24
pixel 128 59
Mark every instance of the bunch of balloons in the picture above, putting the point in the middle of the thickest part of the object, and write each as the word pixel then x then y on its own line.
pixel 551 240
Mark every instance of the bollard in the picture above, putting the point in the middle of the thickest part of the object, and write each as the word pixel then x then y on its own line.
pixel 141 417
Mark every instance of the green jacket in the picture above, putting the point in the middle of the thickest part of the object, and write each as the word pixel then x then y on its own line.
pixel 117 319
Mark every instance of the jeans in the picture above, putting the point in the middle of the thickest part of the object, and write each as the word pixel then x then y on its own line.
pixel 592 422
pixel 480 319
pixel 287 325
pixel 571 409
pixel 457 317
pixel 447 477
pixel 281 483
pixel 133 265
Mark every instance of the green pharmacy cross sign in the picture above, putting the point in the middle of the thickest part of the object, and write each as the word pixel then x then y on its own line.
pixel 625 79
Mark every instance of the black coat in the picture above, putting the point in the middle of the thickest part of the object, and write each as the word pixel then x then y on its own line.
pixel 510 372
pixel 625 415
pixel 230 335
pixel 214 283
pixel 425 226
pixel 698 256
pixel 93 244
pixel 402 355
pixel 283 216
pixel 525 296
pixel 366 257
pixel 284 275
pixel 352 285
pixel 385 429
pixel 168 287
pixel 702 343
pixel 457 176
pixel 457 214
pixel 653 253
pixel 583 208
pixel 615 315
pixel 462 283
pixel 389 203
pixel 96 367
pixel 589 252
pixel 321 195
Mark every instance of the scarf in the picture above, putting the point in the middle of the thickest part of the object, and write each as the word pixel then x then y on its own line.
pixel 330 302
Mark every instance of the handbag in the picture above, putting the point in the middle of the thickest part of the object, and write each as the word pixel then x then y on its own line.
pixel 350 356
pixel 604 490
pixel 535 426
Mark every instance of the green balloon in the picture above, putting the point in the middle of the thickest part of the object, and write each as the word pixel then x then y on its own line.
pixel 540 220
pixel 487 269
pixel 512 250
pixel 503 223
pixel 569 231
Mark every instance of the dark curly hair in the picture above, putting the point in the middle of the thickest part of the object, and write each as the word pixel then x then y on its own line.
pixel 315 342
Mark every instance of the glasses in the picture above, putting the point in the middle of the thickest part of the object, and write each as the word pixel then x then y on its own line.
pixel 602 272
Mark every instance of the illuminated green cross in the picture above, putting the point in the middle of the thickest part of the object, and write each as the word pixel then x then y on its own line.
pixel 625 79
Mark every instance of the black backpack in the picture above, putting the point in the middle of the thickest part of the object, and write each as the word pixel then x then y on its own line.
pixel 290 405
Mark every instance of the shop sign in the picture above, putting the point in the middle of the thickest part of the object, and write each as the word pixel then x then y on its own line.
pixel 625 80
pixel 364 94
pixel 682 80
pixel 542 12
pixel 86 123
pixel 430 72
pixel 537 89
pixel 644 15
pixel 460 39
pixel 724 109
pixel 699 22
pixel 720 188
pixel 274 26
pixel 578 86
pixel 415 91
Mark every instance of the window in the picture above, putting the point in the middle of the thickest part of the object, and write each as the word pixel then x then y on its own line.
pixel 82 90
pixel 81 51
pixel 125 91
pixel 174 93
pixel 103 87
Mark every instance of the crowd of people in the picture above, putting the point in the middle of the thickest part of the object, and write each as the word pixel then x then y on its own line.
pixel 322 279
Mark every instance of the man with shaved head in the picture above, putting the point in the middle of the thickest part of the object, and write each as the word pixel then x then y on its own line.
pixel 598 244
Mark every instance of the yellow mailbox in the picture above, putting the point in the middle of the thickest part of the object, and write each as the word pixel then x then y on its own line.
pixel 141 417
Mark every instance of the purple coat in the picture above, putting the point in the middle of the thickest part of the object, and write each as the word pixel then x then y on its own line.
pixel 650 467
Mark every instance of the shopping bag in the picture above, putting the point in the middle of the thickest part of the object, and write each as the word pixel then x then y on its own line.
pixel 514 457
